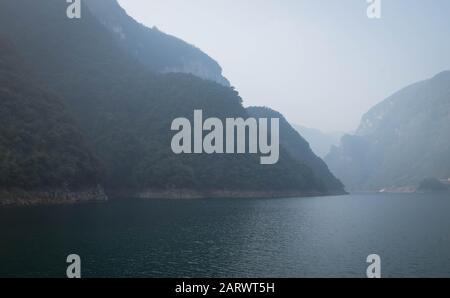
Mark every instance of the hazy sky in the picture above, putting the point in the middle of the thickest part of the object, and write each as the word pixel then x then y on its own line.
pixel 322 63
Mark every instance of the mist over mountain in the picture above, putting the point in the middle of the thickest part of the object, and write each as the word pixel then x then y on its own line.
pixel 299 149
pixel 124 109
pixel 401 141
pixel 41 147
pixel 320 142
pixel 159 51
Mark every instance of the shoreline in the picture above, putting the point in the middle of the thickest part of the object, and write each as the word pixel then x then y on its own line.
pixel 21 198
pixel 183 194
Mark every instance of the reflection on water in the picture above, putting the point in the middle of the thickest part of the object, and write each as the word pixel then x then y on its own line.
pixel 305 237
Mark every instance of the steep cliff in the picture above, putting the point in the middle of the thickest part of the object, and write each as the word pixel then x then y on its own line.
pixel 401 141
pixel 159 51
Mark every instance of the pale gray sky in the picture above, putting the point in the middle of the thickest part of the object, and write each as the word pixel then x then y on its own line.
pixel 322 63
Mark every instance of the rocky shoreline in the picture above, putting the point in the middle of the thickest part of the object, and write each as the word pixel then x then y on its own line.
pixel 51 197
pixel 195 194
pixel 66 197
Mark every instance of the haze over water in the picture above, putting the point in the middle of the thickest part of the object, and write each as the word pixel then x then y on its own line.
pixel 321 63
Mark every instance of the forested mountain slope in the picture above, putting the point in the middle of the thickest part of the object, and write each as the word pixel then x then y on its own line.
pixel 401 141
pixel 41 148
pixel 125 109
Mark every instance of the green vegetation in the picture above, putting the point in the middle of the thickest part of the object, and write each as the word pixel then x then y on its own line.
pixel 125 111
pixel 401 141
pixel 40 147
pixel 156 50
pixel 300 150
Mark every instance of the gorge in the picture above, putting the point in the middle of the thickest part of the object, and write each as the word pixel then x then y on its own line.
pixel 122 106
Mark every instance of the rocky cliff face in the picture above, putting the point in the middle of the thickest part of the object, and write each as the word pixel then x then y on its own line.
pixel 401 141
pixel 161 52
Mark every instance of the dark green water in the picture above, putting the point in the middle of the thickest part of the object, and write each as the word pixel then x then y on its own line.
pixel 306 237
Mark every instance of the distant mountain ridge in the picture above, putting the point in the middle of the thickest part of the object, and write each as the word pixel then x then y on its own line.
pixel 320 142
pixel 161 52
pixel 401 141
pixel 299 148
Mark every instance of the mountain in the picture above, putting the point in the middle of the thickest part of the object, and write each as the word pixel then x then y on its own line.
pixel 321 142
pixel 42 152
pixel 432 185
pixel 401 141
pixel 125 110
pixel 299 149
pixel 159 51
